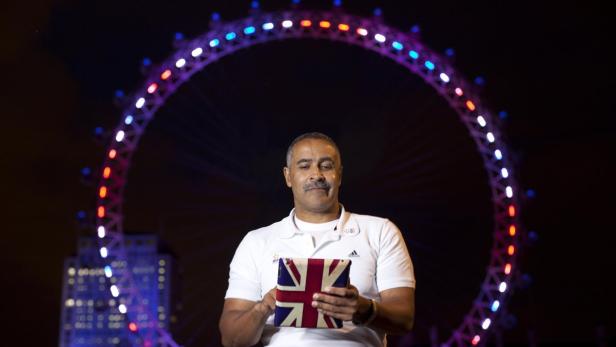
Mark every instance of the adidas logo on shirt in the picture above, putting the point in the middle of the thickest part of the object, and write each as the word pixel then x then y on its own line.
pixel 354 254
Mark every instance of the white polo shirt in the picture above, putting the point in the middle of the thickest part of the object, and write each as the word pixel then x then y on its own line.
pixel 380 261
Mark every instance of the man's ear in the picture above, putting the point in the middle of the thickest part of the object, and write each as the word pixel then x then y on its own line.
pixel 287 177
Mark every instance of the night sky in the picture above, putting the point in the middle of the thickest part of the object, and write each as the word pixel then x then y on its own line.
pixel 208 168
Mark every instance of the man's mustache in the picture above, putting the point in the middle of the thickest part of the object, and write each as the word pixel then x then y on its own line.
pixel 317 185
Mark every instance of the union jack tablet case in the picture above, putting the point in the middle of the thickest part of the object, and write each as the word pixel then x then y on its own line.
pixel 298 280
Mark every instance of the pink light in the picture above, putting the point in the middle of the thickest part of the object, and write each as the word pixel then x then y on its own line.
pixel 459 92
pixel 132 327
pixel 507 269
pixel 362 31
pixel 112 154
pixel 152 88
pixel 475 340
pixel 165 75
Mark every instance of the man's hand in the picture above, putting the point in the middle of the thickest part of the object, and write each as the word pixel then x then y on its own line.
pixel 341 303
pixel 395 313
pixel 242 321
pixel 268 304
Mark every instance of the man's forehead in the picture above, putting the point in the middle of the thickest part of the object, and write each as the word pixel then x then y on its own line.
pixel 313 148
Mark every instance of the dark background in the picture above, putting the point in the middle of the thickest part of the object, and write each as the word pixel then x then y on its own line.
pixel 212 156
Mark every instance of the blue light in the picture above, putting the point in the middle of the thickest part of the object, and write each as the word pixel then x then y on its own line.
pixel 81 215
pixel 268 26
pixel 214 43
pixel 249 30
pixel 230 36
pixel 377 12
pixel 108 272
pixel 413 54
pixel 429 65
pixel 450 52
pixel 415 29
pixel 480 81
pixel 495 305
pixel 128 120
pixel 530 193
pixel 86 171
pixel 146 61
pixel 498 154
pixel 179 36
pixel 397 45
pixel 98 131
pixel 119 93
pixel 296 2
pixel 215 16
pixel 503 115
pixel 254 5
pixel 337 3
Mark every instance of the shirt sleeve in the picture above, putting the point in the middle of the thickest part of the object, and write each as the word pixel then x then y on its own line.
pixel 394 265
pixel 243 275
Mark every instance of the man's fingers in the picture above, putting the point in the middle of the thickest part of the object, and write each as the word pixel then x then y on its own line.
pixel 344 292
pixel 333 299
pixel 325 307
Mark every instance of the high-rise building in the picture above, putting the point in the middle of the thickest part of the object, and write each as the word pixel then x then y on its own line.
pixel 90 314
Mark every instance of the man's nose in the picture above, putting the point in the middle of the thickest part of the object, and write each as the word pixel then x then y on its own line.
pixel 316 174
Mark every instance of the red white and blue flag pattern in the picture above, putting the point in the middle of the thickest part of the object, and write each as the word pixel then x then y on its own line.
pixel 298 280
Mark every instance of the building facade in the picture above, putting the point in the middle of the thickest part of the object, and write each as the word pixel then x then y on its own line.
pixel 91 316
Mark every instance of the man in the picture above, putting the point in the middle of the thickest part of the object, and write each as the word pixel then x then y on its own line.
pixel 380 298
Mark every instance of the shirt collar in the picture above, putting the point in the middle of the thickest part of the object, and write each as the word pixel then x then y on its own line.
pixel 346 225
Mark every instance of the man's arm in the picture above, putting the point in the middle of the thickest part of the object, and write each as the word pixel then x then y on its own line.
pixel 242 321
pixel 395 312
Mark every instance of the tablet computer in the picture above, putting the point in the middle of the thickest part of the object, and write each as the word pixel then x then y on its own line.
pixel 298 280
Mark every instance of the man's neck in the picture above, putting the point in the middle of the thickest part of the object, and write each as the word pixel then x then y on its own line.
pixel 318 217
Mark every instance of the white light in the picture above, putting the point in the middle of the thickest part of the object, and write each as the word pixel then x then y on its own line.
pixel 122 308
pixel 509 191
pixel 268 26
pixel 486 323
pixel 362 31
pixel 379 37
pixel 120 136
pixel 104 252
pixel 287 24
pixel 490 137
pixel 481 121
pixel 444 77
pixel 101 231
pixel 114 291
pixel 502 287
pixel 140 102
pixel 196 52
pixel 70 302
pixel 504 172
pixel 128 120
pixel 498 154
pixel 180 62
